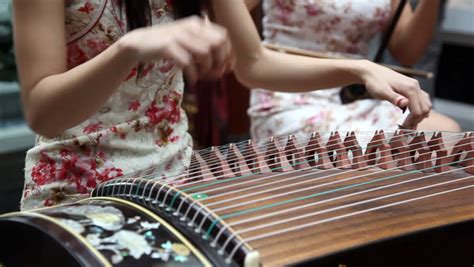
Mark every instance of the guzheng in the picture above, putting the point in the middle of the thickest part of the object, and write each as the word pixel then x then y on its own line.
pixel 398 198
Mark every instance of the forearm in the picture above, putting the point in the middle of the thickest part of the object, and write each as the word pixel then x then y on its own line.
pixel 260 67
pixel 413 36
pixel 289 73
pixel 78 93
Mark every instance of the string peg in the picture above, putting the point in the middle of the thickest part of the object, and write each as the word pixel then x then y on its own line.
pixel 359 160
pixel 400 152
pixel 201 171
pixel 465 145
pixel 377 143
pixel 219 165
pixel 436 145
pixel 421 154
pixel 295 154
pixel 255 158
pixel 275 157
pixel 337 151
pixel 316 154
pixel 237 161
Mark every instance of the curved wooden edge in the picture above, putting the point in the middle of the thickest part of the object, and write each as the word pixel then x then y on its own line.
pixel 248 250
pixel 387 239
pixel 163 222
pixel 79 238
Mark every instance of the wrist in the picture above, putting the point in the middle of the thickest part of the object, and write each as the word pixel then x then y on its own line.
pixel 359 69
pixel 127 46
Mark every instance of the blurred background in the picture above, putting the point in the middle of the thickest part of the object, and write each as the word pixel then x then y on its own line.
pixel 217 110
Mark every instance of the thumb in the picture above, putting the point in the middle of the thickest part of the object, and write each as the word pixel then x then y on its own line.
pixel 401 102
pixel 394 98
pixel 410 123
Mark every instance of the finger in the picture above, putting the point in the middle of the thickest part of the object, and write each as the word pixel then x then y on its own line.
pixel 410 123
pixel 221 46
pixel 200 50
pixel 401 102
pixel 179 55
pixel 194 38
pixel 414 101
pixel 226 68
pixel 184 59
pixel 426 103
pixel 388 94
pixel 416 115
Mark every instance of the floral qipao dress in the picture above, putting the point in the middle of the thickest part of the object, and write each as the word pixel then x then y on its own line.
pixel 344 27
pixel 140 127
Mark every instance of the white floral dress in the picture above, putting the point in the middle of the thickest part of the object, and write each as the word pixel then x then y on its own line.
pixel 342 27
pixel 140 127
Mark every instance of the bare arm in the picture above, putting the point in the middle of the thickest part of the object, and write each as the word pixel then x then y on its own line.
pixel 260 67
pixel 55 99
pixel 414 31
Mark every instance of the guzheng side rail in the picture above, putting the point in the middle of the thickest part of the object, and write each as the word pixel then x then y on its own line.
pixel 399 198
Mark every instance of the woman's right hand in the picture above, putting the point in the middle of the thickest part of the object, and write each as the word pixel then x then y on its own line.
pixel 402 91
pixel 201 48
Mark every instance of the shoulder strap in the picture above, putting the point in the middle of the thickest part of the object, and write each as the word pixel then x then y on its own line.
pixel 389 32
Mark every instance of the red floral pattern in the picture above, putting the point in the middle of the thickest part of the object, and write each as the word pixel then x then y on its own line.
pixel 92 127
pixel 141 125
pixel 86 8
pixel 76 55
pixel 82 169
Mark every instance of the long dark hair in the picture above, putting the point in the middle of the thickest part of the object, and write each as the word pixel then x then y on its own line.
pixel 138 12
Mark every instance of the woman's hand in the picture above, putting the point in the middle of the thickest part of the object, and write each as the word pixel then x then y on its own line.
pixel 56 98
pixel 402 91
pixel 201 48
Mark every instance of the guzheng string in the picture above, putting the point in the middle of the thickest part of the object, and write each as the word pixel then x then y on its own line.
pixel 273 176
pixel 279 181
pixel 262 192
pixel 263 185
pixel 245 152
pixel 245 230
pixel 271 153
pixel 231 255
pixel 221 181
pixel 343 149
pixel 281 212
pixel 214 178
pixel 266 177
pixel 175 178
pixel 268 155
pixel 339 207
pixel 227 216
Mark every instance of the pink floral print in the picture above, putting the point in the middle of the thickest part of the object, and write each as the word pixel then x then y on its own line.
pixel 343 27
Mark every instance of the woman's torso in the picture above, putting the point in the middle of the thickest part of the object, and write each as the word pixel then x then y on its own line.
pixel 344 27
pixel 341 26
pixel 141 125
